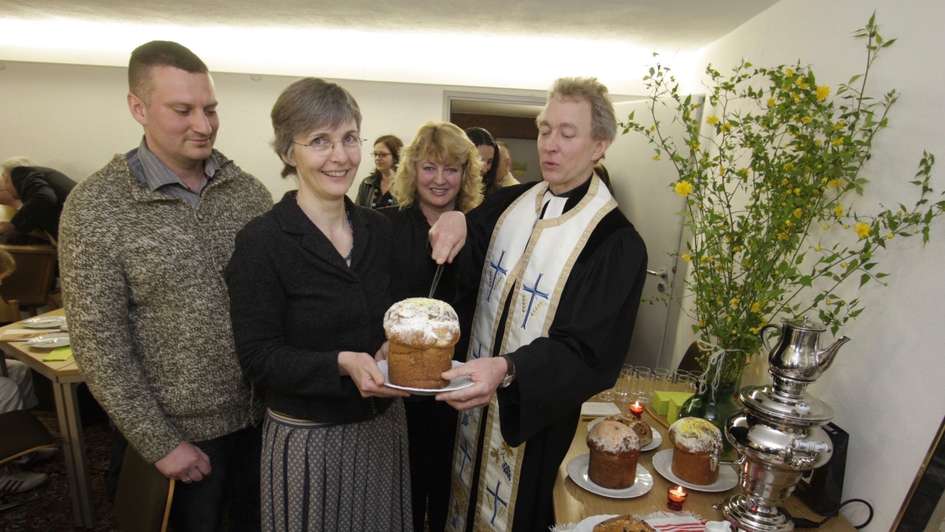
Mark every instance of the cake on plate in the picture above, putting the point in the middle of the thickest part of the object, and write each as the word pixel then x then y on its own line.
pixel 614 450
pixel 422 333
pixel 623 523
pixel 697 444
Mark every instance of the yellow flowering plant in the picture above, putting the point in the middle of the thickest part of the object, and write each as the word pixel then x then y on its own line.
pixel 768 177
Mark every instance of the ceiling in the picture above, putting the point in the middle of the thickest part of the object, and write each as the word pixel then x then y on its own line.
pixel 508 42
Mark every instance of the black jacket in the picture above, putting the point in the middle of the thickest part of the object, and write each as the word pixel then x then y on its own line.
pixel 295 305
pixel 43 192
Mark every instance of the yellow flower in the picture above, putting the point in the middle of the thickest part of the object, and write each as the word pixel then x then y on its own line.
pixel 797 191
pixel 796 96
pixel 683 188
pixel 771 102
pixel 694 145
pixel 712 120
pixel 862 230
pixel 835 183
pixel 686 257
pixel 756 307
pixel 788 72
pixel 822 92
pixel 782 236
pixel 840 124
pixel 726 126
pixel 656 157
pixel 789 223
pixel 806 120
pixel 889 236
pixel 756 329
pixel 837 141
pixel 798 212
pixel 734 302
pixel 838 210
pixel 788 167
pixel 801 83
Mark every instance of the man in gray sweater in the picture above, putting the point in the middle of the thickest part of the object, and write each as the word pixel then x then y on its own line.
pixel 143 245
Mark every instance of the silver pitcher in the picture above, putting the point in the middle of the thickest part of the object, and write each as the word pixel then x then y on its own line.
pixel 777 433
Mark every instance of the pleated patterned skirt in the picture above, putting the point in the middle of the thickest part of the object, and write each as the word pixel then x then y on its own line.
pixel 336 477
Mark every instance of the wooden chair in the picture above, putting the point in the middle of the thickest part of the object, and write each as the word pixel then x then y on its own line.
pixel 143 501
pixel 32 282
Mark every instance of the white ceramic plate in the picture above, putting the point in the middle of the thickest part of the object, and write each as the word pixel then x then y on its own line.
pixel 577 470
pixel 49 341
pixel 45 322
pixel 455 384
pixel 663 463
pixel 588 523
pixel 654 444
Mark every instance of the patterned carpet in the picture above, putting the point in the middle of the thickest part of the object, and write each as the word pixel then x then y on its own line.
pixel 49 507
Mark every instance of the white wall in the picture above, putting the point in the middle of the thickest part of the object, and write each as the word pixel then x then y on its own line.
pixel 887 385
pixel 74 118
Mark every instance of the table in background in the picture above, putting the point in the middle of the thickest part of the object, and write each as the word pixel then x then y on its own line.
pixel 65 378
pixel 573 503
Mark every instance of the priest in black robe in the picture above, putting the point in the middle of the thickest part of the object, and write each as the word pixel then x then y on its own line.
pixel 556 274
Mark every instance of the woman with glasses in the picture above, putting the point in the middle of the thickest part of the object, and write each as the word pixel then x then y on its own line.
pixel 374 191
pixel 309 284
pixel 439 174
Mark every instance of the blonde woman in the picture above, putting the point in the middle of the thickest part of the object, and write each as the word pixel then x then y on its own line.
pixel 439 172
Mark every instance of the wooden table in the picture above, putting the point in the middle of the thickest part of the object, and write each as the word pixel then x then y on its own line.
pixel 65 378
pixel 572 503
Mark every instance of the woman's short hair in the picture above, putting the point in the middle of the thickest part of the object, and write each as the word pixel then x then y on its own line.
pixel 14 162
pixel 393 143
pixel 306 105
pixel 481 137
pixel 603 119
pixel 443 143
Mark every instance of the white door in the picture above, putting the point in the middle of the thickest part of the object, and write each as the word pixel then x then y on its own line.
pixel 641 187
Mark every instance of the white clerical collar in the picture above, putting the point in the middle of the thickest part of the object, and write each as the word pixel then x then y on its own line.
pixel 552 206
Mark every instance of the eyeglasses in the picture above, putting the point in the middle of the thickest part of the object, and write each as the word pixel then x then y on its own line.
pixel 324 144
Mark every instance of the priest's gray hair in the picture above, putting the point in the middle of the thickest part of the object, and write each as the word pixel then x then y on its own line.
pixel 603 119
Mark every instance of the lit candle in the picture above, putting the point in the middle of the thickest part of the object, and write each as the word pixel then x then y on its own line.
pixel 637 409
pixel 675 498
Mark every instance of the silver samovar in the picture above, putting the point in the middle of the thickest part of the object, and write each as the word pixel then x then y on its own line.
pixel 777 434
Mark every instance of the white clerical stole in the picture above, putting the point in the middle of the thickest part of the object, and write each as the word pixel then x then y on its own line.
pixel 530 258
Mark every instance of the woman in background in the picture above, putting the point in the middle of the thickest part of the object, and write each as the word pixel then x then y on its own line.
pixel 309 285
pixel 440 173
pixel 489 156
pixel 374 191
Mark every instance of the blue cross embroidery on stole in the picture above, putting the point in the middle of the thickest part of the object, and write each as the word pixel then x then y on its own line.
pixel 496 270
pixel 496 500
pixel 466 457
pixel 534 291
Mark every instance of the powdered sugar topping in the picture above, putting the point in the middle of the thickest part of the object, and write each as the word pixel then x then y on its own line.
pixel 613 437
pixel 434 320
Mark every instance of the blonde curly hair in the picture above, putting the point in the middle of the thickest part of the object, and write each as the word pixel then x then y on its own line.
pixel 443 143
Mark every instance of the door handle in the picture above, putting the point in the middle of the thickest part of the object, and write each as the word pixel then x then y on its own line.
pixel 659 273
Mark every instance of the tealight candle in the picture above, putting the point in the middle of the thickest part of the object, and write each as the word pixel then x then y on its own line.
pixel 637 409
pixel 675 498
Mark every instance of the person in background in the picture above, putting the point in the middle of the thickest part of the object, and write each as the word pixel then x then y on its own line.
pixel 504 172
pixel 440 173
pixel 488 151
pixel 554 275
pixel 143 244
pixel 374 191
pixel 37 193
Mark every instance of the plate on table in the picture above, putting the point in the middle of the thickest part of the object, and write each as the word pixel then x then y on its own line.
pixel 663 463
pixel 577 470
pixel 654 444
pixel 45 322
pixel 49 341
pixel 588 523
pixel 455 384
